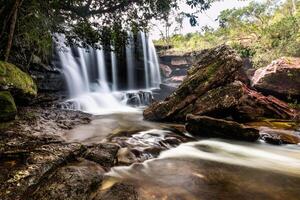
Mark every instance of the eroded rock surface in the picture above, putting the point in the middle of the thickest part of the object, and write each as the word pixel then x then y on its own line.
pixel 212 88
pixel 281 78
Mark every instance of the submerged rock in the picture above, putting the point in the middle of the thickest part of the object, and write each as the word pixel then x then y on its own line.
pixel 20 84
pixel 281 78
pixel 204 126
pixel 8 109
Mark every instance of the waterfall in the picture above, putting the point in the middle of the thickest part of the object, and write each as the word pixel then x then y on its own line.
pixel 145 52
pixel 130 62
pixel 152 79
pixel 94 85
pixel 114 71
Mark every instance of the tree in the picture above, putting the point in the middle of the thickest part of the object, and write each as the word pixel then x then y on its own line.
pixel 83 22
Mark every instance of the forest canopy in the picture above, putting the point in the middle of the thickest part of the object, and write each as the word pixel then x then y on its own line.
pixel 261 31
pixel 27 26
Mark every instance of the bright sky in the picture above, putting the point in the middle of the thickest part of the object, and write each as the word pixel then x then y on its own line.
pixel 207 18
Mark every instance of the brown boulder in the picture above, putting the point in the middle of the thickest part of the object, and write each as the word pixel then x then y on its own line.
pixel 213 68
pixel 204 126
pixel 281 79
pixel 236 100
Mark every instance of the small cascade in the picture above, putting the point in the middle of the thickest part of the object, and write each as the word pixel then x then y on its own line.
pixel 94 84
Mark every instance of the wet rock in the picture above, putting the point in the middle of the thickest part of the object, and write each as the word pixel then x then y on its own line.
pixel 237 101
pixel 72 182
pixel 138 146
pixel 281 78
pixel 104 154
pixel 8 109
pixel 213 68
pixel 279 136
pixel 165 70
pixel 140 98
pixel 119 191
pixel 28 168
pixel 49 80
pixel 20 84
pixel 204 126
pixel 212 88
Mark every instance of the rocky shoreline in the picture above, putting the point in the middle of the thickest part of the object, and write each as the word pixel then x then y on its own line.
pixel 215 99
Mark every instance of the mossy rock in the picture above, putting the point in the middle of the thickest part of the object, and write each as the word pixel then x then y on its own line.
pixel 20 84
pixel 8 109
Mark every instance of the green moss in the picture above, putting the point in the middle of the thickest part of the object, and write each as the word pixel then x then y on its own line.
pixel 8 109
pixel 16 81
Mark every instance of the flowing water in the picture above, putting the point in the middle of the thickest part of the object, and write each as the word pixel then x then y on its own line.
pixel 93 85
pixel 216 169
pixel 203 169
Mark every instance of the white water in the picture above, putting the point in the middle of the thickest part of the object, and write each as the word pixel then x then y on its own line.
pixel 130 62
pixel 151 63
pixel 88 83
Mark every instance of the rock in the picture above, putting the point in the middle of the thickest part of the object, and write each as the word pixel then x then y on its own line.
pixel 204 126
pixel 8 109
pixel 140 98
pixel 72 182
pixel 138 146
pixel 279 136
pixel 104 154
pixel 213 68
pixel 165 70
pixel 211 88
pixel 281 79
pixel 50 81
pixel 237 101
pixel 20 84
pixel 164 91
pixel 119 191
pixel 27 168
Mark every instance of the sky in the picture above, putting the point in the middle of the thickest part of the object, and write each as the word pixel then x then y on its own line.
pixel 206 18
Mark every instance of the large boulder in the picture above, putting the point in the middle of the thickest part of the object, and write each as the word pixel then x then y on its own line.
pixel 237 101
pixel 212 88
pixel 213 68
pixel 20 84
pixel 210 127
pixel 281 79
pixel 8 109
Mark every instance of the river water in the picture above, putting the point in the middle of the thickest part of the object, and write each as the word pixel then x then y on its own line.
pixel 204 169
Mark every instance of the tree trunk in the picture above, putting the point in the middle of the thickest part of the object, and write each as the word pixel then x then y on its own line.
pixel 12 28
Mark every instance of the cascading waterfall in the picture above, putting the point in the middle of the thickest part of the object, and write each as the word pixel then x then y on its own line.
pixel 130 62
pixel 93 85
pixel 152 79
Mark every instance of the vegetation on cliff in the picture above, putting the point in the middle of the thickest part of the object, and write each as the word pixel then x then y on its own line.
pixel 261 31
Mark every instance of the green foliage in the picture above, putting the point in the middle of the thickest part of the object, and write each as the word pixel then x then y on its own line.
pixel 15 80
pixel 261 31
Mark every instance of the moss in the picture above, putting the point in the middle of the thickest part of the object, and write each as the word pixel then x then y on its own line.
pixel 18 82
pixel 8 109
